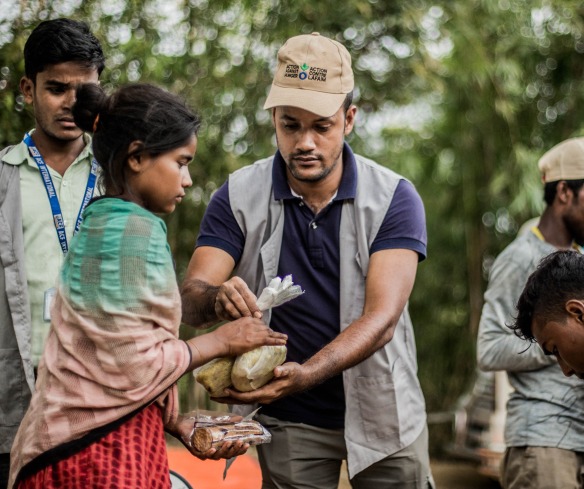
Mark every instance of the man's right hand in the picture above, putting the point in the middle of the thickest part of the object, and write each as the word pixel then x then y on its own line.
pixel 235 300
pixel 208 293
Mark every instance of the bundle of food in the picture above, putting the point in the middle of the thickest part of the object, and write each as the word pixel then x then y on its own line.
pixel 247 372
pixel 255 368
pixel 205 437
pixel 215 376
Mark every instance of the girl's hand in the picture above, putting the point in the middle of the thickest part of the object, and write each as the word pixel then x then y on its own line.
pixel 245 334
pixel 183 430
pixel 232 339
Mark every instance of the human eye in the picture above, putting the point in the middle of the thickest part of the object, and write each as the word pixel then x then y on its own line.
pixel 184 161
pixel 323 128
pixel 56 89
pixel 290 126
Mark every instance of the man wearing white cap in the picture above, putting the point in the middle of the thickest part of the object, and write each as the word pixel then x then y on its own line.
pixel 351 233
pixel 544 429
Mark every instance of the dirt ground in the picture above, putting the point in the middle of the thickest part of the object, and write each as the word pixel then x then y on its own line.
pixel 450 475
pixel 245 472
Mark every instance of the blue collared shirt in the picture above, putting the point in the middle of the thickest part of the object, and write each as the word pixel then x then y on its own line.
pixel 310 253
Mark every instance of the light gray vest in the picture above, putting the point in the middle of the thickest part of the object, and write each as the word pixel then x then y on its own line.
pixel 15 328
pixel 385 409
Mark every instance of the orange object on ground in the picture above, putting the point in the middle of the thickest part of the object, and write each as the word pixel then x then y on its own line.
pixel 244 473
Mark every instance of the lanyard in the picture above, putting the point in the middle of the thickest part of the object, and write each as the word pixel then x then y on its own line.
pixel 535 230
pixel 52 195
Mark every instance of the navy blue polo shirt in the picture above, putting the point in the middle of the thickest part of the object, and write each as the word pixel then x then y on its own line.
pixel 310 253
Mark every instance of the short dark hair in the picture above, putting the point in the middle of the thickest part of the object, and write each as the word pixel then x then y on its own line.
pixel 550 189
pixel 558 278
pixel 58 41
pixel 140 112
pixel 348 101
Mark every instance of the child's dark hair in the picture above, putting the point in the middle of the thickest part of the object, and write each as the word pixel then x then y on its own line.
pixel 558 278
pixel 58 41
pixel 141 112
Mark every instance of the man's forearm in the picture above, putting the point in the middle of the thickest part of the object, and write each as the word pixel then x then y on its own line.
pixel 356 343
pixel 198 303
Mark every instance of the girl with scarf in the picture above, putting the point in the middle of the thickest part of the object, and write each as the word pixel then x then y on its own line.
pixel 106 388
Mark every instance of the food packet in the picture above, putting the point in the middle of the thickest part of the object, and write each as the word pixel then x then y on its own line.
pixel 211 429
pixel 215 376
pixel 221 427
pixel 207 436
pixel 256 367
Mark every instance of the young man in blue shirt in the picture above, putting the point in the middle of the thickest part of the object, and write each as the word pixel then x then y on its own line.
pixel 351 233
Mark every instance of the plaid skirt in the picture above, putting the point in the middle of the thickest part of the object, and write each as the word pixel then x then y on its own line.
pixel 130 457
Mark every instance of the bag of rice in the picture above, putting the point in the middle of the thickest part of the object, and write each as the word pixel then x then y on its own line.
pixel 256 367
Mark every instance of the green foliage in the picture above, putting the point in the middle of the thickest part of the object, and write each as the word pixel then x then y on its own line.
pixel 460 96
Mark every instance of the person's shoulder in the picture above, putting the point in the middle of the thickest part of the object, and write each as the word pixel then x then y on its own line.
pixel 126 215
pixel 525 250
pixel 360 159
pixel 126 229
pixel 5 151
pixel 523 244
pixel 14 154
pixel 258 164
pixel 376 170
pixel 240 181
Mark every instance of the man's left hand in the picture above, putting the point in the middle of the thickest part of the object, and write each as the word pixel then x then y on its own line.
pixel 288 378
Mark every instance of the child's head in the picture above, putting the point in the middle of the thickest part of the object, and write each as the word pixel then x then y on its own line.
pixel 550 310
pixel 143 138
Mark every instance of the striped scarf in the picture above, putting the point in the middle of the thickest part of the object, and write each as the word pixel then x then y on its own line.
pixel 113 343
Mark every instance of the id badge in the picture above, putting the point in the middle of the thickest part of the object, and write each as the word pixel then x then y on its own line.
pixel 49 296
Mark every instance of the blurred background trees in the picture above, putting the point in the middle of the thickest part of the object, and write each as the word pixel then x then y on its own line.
pixel 460 96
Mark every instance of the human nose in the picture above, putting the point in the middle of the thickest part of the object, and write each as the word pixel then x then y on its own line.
pixel 186 181
pixel 306 141
pixel 70 98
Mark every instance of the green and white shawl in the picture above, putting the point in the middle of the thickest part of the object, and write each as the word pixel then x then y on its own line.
pixel 113 345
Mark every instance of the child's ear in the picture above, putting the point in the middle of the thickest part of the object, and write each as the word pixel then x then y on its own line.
pixel 575 308
pixel 134 160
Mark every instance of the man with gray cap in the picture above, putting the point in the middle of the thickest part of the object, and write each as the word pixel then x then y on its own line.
pixel 351 233
pixel 544 429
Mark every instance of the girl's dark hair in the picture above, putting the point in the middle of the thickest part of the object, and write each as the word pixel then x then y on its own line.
pixel 141 112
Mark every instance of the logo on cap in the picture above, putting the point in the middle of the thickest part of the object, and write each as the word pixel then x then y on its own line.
pixel 306 72
pixel 303 75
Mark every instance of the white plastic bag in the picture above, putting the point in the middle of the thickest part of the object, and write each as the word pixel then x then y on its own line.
pixel 256 367
pixel 277 292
